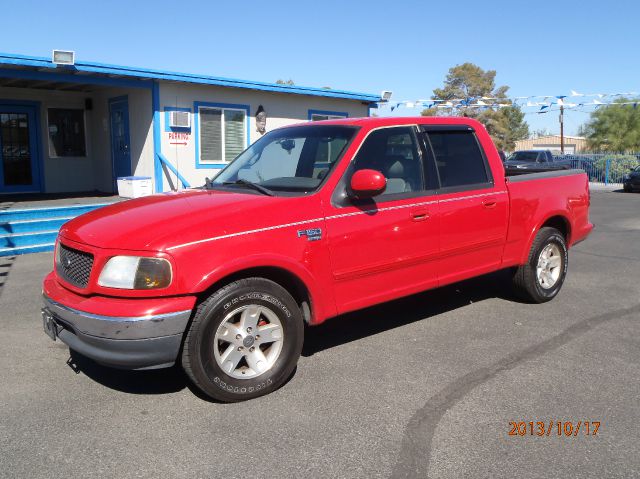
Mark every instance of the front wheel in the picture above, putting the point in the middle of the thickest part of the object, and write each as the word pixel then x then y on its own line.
pixel 540 279
pixel 244 340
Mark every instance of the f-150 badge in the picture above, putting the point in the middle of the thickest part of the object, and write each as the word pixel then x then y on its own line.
pixel 314 234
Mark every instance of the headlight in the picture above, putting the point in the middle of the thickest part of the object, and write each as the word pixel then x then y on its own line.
pixel 134 272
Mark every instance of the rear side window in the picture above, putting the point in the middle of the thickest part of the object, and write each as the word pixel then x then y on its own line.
pixel 458 158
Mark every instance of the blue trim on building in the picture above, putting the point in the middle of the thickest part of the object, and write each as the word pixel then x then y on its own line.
pixel 133 76
pixel 71 78
pixel 157 137
pixel 174 170
pixel 196 129
pixel 342 114
pixel 167 128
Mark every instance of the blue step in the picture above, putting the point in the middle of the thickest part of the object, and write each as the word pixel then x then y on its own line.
pixel 28 239
pixel 38 248
pixel 35 229
pixel 72 211
pixel 33 226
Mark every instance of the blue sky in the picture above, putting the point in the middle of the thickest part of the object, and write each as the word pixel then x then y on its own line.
pixel 538 48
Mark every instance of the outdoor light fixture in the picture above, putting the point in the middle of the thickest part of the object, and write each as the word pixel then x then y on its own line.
pixel 386 95
pixel 63 57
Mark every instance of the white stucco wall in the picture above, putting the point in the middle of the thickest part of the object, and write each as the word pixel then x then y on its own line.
pixel 95 171
pixel 282 109
pixel 60 174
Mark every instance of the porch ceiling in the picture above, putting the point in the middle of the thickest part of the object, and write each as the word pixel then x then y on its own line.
pixel 45 85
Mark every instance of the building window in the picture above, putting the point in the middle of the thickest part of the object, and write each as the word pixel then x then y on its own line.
pixel 66 132
pixel 223 134
pixel 318 115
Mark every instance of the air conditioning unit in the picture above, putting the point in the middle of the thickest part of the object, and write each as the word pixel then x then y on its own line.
pixel 179 119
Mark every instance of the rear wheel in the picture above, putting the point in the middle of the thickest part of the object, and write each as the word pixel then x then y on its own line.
pixel 626 188
pixel 542 277
pixel 244 340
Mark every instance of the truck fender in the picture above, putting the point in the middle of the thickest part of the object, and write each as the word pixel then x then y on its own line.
pixel 320 309
pixel 538 226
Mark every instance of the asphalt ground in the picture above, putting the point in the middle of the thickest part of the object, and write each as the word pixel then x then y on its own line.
pixel 422 387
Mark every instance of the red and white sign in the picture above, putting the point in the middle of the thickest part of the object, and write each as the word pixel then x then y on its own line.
pixel 179 138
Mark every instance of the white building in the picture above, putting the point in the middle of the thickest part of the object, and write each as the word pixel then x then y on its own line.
pixel 76 128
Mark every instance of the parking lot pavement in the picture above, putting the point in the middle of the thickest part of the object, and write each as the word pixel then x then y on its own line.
pixel 422 386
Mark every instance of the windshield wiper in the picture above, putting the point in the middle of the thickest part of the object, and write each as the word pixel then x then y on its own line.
pixel 250 184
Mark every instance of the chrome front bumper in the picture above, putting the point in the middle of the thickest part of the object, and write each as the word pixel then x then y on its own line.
pixel 143 342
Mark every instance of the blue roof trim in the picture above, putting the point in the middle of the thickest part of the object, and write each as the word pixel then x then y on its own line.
pixel 151 74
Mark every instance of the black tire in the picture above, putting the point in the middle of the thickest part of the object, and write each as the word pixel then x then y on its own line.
pixel 626 188
pixel 525 279
pixel 198 358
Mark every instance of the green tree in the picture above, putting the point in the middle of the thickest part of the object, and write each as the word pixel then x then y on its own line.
pixel 470 83
pixel 614 128
pixel 288 82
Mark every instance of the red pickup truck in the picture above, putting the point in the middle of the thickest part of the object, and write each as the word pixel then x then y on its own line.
pixel 309 222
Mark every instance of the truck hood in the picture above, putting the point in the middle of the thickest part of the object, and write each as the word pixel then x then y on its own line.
pixel 155 223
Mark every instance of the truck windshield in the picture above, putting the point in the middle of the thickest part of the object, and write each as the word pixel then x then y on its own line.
pixel 295 159
pixel 531 156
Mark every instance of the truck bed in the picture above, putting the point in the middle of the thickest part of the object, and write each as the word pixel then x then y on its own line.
pixel 537 198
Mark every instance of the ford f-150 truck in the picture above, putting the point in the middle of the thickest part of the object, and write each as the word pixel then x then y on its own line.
pixel 310 222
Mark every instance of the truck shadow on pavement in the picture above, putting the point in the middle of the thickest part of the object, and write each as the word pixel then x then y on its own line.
pixel 154 381
pixel 394 314
pixel 6 264
pixel 334 332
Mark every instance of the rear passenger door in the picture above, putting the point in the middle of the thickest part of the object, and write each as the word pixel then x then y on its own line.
pixel 473 210
pixel 386 246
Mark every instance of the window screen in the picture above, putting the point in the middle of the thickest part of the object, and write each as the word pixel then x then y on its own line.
pixel 66 132
pixel 234 142
pixel 222 134
pixel 458 158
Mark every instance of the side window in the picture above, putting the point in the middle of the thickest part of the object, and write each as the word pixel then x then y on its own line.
pixel 542 157
pixel 394 153
pixel 328 151
pixel 458 158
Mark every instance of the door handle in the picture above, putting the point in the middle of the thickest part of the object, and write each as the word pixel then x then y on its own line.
pixel 489 203
pixel 420 215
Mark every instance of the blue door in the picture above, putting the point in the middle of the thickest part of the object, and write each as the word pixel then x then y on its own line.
pixel 120 146
pixel 19 154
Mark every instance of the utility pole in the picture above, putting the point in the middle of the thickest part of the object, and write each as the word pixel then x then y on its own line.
pixel 562 129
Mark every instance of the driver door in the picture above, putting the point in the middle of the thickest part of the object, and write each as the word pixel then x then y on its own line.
pixel 384 247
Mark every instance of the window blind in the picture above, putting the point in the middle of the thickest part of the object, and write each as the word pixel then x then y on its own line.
pixel 210 135
pixel 234 128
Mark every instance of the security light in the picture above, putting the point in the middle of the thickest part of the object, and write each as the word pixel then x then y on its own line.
pixel 386 95
pixel 63 57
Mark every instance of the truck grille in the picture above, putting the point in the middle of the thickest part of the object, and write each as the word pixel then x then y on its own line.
pixel 74 266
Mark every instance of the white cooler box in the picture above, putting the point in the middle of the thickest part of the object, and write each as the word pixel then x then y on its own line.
pixel 134 186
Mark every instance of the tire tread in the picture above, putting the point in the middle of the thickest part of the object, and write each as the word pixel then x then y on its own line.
pixel 524 278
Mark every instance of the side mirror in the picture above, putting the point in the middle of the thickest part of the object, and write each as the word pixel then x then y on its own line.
pixel 367 183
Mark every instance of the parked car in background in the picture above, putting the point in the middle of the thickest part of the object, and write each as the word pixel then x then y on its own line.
pixel 534 161
pixel 631 181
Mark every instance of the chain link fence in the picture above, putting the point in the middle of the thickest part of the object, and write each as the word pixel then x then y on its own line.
pixel 607 168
